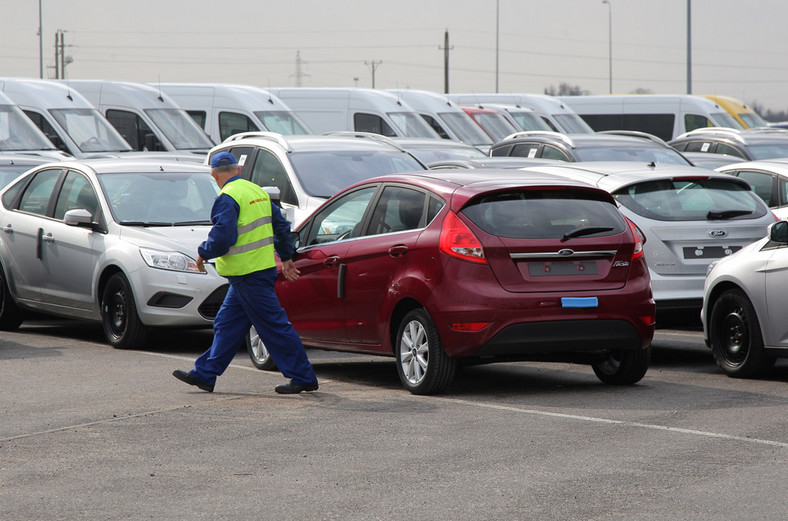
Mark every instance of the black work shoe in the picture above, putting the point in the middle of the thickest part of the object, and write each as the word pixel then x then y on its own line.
pixel 190 379
pixel 294 388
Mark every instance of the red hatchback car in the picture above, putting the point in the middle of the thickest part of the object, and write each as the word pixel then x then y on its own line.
pixel 437 268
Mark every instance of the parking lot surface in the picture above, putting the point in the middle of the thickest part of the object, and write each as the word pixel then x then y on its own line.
pixel 90 432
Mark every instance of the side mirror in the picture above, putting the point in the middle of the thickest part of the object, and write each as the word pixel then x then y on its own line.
pixel 274 193
pixel 152 144
pixel 778 232
pixel 80 217
pixel 295 237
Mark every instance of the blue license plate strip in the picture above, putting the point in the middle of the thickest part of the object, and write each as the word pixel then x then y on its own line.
pixel 579 302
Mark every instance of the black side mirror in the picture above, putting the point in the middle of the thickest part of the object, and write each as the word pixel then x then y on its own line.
pixel 778 232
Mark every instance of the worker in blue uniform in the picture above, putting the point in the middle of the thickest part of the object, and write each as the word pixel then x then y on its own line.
pixel 247 229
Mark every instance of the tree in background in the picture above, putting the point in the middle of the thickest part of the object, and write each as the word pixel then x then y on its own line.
pixel 564 89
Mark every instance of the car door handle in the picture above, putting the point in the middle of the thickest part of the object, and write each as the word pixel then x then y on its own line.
pixel 398 251
pixel 48 238
pixel 332 260
pixel 8 229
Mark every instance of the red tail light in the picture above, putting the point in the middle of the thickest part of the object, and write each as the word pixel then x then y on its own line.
pixel 458 241
pixel 640 240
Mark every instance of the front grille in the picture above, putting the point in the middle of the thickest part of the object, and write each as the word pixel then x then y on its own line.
pixel 210 306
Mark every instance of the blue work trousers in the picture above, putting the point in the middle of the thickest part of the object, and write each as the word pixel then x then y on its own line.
pixel 251 300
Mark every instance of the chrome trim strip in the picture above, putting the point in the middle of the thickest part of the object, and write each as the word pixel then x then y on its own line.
pixel 556 255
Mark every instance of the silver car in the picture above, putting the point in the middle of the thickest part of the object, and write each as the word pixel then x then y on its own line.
pixel 109 240
pixel 744 305
pixel 689 216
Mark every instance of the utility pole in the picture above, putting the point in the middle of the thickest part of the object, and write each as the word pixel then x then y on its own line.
pixel 373 65
pixel 446 48
pixel 40 40
pixel 299 73
pixel 61 60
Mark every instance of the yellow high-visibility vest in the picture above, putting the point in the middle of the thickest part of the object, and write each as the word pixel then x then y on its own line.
pixel 254 249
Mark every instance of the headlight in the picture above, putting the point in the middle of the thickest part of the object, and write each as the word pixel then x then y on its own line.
pixel 169 260
pixel 711 266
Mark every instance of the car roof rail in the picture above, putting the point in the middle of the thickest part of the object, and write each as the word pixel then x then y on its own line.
pixel 730 133
pixel 635 133
pixel 272 136
pixel 542 133
pixel 366 135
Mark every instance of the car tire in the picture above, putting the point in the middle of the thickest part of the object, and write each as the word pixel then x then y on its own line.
pixel 10 315
pixel 735 337
pixel 259 355
pixel 123 328
pixel 623 367
pixel 422 364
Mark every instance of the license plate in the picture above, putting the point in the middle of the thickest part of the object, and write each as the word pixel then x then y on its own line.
pixel 579 302
pixel 551 269
pixel 709 252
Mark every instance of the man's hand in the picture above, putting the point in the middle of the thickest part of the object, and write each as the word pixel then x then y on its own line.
pixel 200 264
pixel 289 270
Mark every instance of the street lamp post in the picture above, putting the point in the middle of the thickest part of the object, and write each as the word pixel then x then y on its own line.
pixel 609 41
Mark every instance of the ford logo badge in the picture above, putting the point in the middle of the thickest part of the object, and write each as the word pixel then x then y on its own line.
pixel 718 233
pixel 566 252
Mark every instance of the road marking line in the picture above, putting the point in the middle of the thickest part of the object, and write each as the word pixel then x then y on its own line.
pixel 621 422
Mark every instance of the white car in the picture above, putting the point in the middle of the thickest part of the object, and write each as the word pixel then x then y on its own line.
pixel 109 240
pixel 308 169
pixel 744 305
pixel 689 216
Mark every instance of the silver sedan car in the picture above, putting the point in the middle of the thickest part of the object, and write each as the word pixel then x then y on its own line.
pixel 744 305
pixel 109 240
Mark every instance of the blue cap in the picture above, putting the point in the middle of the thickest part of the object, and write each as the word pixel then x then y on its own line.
pixel 223 159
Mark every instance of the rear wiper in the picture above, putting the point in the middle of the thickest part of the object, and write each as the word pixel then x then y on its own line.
pixel 145 223
pixel 588 230
pixel 726 214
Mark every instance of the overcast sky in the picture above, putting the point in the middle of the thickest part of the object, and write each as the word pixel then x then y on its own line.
pixel 739 47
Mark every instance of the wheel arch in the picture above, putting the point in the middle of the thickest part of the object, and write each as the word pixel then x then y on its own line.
pixel 715 293
pixel 402 308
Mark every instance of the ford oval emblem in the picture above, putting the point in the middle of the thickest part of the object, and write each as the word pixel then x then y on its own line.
pixel 566 252
pixel 718 233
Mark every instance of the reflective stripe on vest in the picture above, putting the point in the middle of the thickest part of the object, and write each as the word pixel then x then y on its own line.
pixel 254 249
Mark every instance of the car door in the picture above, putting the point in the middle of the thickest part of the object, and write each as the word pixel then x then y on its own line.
pixel 315 301
pixel 378 262
pixel 69 253
pixel 23 235
pixel 776 288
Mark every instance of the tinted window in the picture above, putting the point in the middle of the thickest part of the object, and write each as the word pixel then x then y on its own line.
pixel 693 121
pixel 35 198
pixel 372 123
pixel 544 214
pixel 660 125
pixel 198 116
pixel 269 171
pixel 233 123
pixel 134 130
pixel 762 184
pixel 722 148
pixel 398 209
pixel 433 123
pixel 691 200
pixel 549 152
pixel 525 150
pixel 769 151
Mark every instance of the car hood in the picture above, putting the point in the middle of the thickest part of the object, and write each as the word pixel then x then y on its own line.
pixel 179 238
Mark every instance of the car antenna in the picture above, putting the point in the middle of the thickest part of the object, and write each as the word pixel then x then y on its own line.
pixel 270 100
pixel 160 98
pixel 68 91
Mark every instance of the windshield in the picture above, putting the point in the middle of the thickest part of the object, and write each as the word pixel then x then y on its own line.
pixel 323 174
pixel 17 132
pixel 443 151
pixel 691 200
pixel 465 129
pixel 90 131
pixel 494 124
pixel 769 151
pixel 572 124
pixel 282 122
pixel 180 129
pixel 411 124
pixel 627 153
pixel 724 119
pixel 753 120
pixel 150 199
pixel 529 121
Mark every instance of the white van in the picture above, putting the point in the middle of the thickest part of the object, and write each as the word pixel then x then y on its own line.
pixel 557 114
pixel 354 109
pixel 223 109
pixel 146 117
pixel 665 116
pixel 69 120
pixel 444 116
pixel 18 135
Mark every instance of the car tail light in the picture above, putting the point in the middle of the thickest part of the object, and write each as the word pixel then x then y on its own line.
pixel 459 241
pixel 640 240
pixel 471 327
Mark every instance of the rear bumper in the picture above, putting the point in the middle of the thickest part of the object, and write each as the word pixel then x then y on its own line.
pixel 564 336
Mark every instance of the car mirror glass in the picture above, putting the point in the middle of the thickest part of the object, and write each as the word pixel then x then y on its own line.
pixel 779 232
